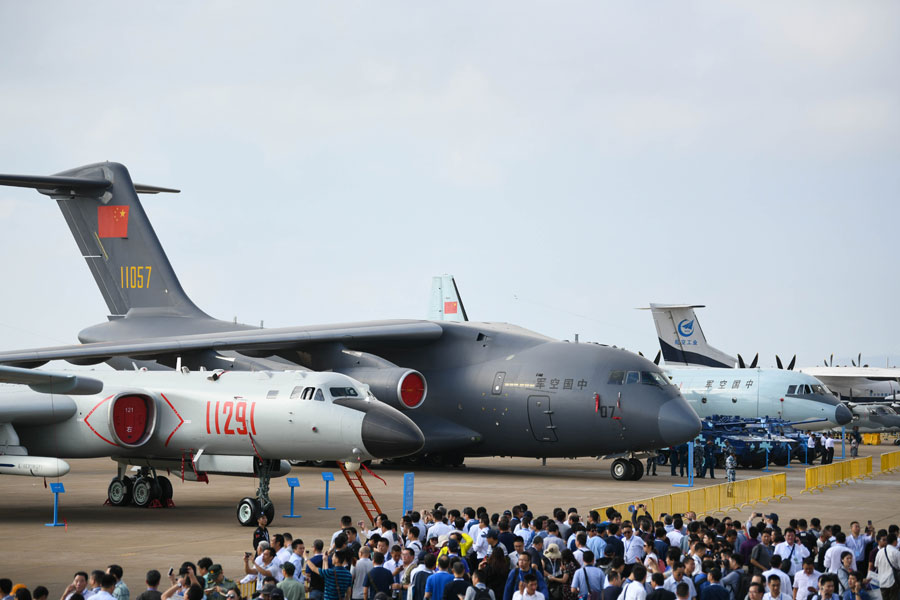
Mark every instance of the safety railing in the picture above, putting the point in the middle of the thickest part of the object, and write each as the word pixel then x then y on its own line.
pixel 871 439
pixel 711 499
pixel 890 461
pixel 839 473
pixel 248 590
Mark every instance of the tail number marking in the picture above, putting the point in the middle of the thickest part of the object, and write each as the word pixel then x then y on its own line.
pixel 135 278
pixel 236 411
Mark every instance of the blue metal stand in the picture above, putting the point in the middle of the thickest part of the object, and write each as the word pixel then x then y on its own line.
pixel 766 468
pixel 805 453
pixel 408 485
pixel 327 477
pixel 787 448
pixel 294 483
pixel 57 489
pixel 843 437
pixel 690 466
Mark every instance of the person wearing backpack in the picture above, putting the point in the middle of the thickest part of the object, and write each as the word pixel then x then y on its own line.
pixel 478 590
pixel 887 563
pixel 588 580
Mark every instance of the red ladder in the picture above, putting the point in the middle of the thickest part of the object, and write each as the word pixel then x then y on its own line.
pixel 359 487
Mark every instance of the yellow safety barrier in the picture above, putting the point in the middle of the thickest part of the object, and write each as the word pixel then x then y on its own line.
pixel 247 589
pixel 871 439
pixel 712 499
pixel 890 461
pixel 839 473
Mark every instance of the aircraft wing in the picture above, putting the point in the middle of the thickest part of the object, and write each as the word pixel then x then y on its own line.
pixel 51 383
pixel 256 342
pixel 845 374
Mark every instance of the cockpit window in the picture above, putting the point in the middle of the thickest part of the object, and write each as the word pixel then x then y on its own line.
pixel 295 393
pixel 343 392
pixel 319 397
pixel 616 378
pixel 819 389
pixel 632 377
pixel 308 393
pixel 651 378
pixel 791 389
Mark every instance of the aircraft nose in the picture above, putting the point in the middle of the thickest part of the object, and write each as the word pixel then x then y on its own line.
pixel 388 433
pixel 842 414
pixel 678 422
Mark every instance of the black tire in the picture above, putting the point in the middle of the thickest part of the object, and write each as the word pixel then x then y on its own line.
pixel 638 469
pixel 269 510
pixel 119 491
pixel 621 469
pixel 319 463
pixel 662 459
pixel 165 489
pixel 247 512
pixel 145 491
pixel 299 463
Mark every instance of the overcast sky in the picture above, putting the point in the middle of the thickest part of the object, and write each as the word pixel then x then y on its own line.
pixel 567 162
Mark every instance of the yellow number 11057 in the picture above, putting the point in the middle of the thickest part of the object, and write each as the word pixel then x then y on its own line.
pixel 135 277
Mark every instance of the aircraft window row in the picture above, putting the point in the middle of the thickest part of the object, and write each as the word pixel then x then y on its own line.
pixel 343 392
pixel 801 389
pixel 645 377
pixel 307 393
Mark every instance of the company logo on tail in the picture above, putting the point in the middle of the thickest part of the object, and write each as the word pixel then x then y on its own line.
pixel 686 327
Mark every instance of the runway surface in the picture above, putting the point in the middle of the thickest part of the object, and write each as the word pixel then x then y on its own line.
pixel 203 521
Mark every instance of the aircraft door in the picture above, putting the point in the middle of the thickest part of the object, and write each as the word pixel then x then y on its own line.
pixel 540 418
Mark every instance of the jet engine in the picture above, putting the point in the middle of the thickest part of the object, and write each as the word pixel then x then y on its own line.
pixel 401 388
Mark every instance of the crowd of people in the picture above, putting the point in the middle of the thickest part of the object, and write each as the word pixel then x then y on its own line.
pixel 469 554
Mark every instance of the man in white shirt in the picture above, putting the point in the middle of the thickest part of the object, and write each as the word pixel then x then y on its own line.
pixel 775 592
pixel 633 588
pixel 298 559
pixel 528 589
pixel 887 563
pixel 777 572
pixel 806 581
pixel 676 576
pixel 282 553
pixel 107 585
pixel 588 579
pixel 263 565
pixel 832 559
pixel 795 552
pixel 675 535
pixel 634 546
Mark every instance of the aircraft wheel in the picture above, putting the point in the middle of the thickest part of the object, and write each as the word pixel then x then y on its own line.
pixel 621 469
pixel 145 491
pixel 119 491
pixel 637 469
pixel 662 459
pixel 319 463
pixel 165 489
pixel 299 463
pixel 247 512
pixel 269 510
pixel 781 460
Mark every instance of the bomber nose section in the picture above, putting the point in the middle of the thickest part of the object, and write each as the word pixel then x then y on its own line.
pixel 842 414
pixel 678 422
pixel 388 433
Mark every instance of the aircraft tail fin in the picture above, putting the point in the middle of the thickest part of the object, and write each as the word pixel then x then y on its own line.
pixel 446 305
pixel 101 206
pixel 682 340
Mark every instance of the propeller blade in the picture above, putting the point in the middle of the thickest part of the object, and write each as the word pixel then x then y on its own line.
pixel 825 361
pixel 658 356
pixel 853 361
pixel 859 358
pixel 831 360
pixel 741 364
pixel 778 362
pixel 755 360
pixel 865 366
pixel 792 363
pixel 641 354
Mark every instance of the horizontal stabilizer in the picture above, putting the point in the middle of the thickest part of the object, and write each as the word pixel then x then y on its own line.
pixel 51 383
pixel 76 184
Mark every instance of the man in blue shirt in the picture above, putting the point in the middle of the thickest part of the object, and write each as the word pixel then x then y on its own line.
pixel 434 587
pixel 715 590
pixel 518 574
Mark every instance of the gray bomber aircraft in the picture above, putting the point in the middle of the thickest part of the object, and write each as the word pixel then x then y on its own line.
pixel 192 423
pixel 495 389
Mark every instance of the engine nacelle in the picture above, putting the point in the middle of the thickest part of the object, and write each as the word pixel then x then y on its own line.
pixel 132 419
pixel 401 388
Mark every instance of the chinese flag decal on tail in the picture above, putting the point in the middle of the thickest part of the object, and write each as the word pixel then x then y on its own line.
pixel 450 308
pixel 112 221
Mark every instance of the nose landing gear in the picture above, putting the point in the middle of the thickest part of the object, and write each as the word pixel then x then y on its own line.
pixel 250 509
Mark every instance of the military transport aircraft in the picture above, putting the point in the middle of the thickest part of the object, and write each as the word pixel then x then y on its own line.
pixel 495 389
pixel 719 387
pixel 193 423
pixel 711 391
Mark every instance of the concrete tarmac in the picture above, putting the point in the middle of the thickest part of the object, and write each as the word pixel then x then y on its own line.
pixel 203 521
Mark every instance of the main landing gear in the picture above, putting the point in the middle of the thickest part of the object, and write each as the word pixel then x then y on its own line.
pixel 145 490
pixel 249 509
pixel 627 469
